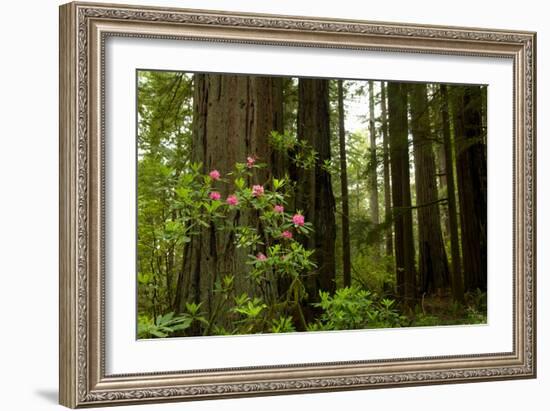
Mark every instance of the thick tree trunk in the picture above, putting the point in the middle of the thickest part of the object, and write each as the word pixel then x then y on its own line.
pixel 457 282
pixel 344 183
pixel 401 194
pixel 233 117
pixel 373 177
pixel 387 187
pixel 433 266
pixel 472 184
pixel 314 196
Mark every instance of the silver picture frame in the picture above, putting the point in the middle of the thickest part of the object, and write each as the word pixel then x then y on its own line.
pixel 84 28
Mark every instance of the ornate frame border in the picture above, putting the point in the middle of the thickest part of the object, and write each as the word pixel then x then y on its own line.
pixel 83 30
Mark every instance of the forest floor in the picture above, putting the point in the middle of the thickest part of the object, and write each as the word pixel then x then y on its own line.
pixel 442 310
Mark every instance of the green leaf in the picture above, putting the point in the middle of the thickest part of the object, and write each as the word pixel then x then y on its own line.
pixel 158 333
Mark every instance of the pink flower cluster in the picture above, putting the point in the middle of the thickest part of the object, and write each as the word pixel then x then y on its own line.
pixel 286 234
pixel 215 175
pixel 250 160
pixel 214 195
pixel 278 208
pixel 261 257
pixel 298 220
pixel 257 190
pixel 232 200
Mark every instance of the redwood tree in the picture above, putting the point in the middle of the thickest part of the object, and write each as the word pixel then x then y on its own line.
pixel 314 196
pixel 373 177
pixel 386 165
pixel 233 118
pixel 433 266
pixel 346 251
pixel 456 275
pixel 401 193
pixel 472 183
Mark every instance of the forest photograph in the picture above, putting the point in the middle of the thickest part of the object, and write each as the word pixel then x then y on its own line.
pixel 269 204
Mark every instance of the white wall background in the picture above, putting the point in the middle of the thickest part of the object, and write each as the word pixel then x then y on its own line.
pixel 29 192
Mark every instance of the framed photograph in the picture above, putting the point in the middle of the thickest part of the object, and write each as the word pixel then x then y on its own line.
pixel 259 204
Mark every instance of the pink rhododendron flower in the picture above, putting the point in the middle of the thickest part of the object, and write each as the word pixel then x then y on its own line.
pixel 214 175
pixel 250 160
pixel 257 191
pixel 286 234
pixel 232 200
pixel 214 195
pixel 261 257
pixel 278 208
pixel 298 219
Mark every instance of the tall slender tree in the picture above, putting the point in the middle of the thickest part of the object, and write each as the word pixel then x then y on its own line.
pixel 386 165
pixel 314 196
pixel 436 119
pixel 472 183
pixel 401 193
pixel 457 284
pixel 373 177
pixel 442 181
pixel 433 266
pixel 346 250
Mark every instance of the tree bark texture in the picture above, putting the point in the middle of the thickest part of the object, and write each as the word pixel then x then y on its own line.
pixel 472 184
pixel 233 118
pixel 433 266
pixel 346 249
pixel 387 186
pixel 401 194
pixel 373 177
pixel 457 283
pixel 314 196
